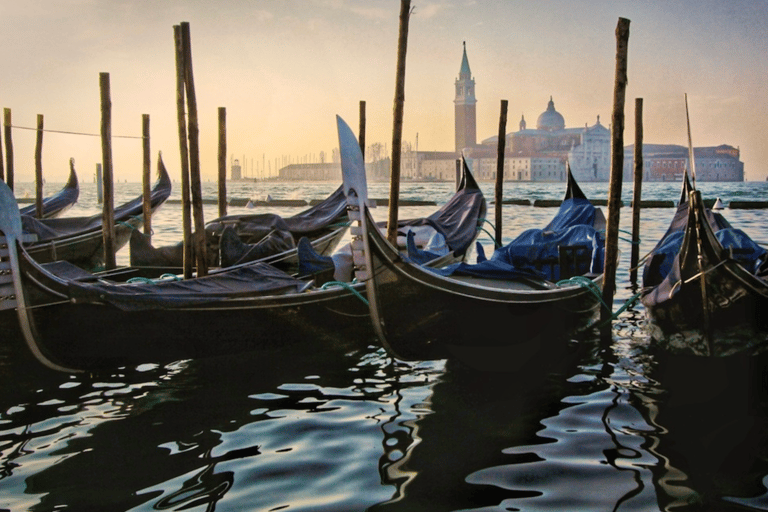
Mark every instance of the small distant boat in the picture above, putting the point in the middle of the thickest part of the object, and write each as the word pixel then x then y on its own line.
pixel 79 240
pixel 718 205
pixel 60 202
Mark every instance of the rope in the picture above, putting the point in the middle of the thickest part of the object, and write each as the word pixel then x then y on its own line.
pixel 585 282
pixel 77 133
pixel 147 280
pixel 346 286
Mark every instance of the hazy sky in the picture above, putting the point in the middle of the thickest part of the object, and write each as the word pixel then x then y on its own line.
pixel 284 68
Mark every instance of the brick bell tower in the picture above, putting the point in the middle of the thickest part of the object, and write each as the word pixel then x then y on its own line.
pixel 465 109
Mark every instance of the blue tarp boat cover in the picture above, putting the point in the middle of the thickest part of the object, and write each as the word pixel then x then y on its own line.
pixel 535 252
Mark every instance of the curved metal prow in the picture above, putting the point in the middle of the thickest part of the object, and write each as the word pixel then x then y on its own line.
pixel 11 287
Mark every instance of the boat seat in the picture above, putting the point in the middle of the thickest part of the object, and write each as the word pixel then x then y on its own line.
pixel 573 259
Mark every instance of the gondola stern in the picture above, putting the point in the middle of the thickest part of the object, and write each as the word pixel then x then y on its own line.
pixel 11 285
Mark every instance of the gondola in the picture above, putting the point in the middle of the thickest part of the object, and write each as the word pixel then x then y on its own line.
pixel 79 240
pixel 60 202
pixel 72 319
pixel 240 238
pixel 494 315
pixel 705 286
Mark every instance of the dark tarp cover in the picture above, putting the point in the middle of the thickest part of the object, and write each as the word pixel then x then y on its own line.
pixel 49 229
pixel 451 219
pixel 254 280
pixel 252 228
pixel 520 257
pixel 232 250
pixel 659 263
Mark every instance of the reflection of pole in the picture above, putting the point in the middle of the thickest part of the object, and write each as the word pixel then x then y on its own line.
pixel 614 190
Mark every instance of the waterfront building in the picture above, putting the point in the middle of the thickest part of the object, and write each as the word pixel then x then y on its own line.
pixel 533 154
pixel 668 162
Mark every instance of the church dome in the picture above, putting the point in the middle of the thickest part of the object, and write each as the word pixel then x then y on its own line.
pixel 550 120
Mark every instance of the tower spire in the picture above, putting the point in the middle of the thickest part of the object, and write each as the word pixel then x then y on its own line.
pixel 465 121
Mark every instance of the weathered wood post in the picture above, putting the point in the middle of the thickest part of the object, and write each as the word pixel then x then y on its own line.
pixel 397 128
pixel 39 168
pixel 614 187
pixel 499 195
pixel 7 124
pixel 361 134
pixel 186 218
pixel 222 161
pixel 2 163
pixel 145 175
pixel 637 191
pixel 99 185
pixel 108 213
pixel 195 186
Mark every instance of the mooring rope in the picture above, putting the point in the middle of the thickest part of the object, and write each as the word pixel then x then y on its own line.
pixel 590 285
pixel 348 287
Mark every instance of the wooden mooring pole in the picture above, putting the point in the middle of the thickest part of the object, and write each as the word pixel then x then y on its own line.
pixel 145 175
pixel 637 191
pixel 108 212
pixel 499 193
pixel 7 124
pixel 614 187
pixel 222 161
pixel 186 218
pixel 39 168
pixel 195 186
pixel 397 128
pixel 361 131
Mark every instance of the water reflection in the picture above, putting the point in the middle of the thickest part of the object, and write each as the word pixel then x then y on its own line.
pixel 271 430
pixel 711 433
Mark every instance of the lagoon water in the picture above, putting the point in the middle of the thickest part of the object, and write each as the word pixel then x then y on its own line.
pixel 345 427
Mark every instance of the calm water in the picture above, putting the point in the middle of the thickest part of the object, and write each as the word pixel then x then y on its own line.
pixel 346 428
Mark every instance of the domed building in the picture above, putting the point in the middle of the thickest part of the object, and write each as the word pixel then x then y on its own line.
pixel 550 120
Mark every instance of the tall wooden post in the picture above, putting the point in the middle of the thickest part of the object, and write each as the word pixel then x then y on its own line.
pixel 145 175
pixel 195 186
pixel 108 213
pixel 222 161
pixel 2 163
pixel 499 195
pixel 99 185
pixel 186 218
pixel 7 124
pixel 361 131
pixel 397 129
pixel 614 187
pixel 637 191
pixel 39 168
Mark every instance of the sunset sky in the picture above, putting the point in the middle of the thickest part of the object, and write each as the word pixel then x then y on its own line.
pixel 284 68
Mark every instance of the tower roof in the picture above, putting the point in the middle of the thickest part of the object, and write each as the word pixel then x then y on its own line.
pixel 465 72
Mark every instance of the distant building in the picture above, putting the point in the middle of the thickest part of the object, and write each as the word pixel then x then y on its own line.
pixel 532 154
pixel 237 173
pixel 667 162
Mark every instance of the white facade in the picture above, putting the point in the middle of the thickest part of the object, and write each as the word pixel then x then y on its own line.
pixel 591 160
